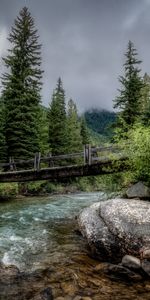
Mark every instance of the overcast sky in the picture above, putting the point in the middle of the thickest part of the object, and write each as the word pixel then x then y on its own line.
pixel 83 42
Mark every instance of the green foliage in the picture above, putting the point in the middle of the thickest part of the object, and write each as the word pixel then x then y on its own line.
pixel 73 128
pixel 8 190
pixel 31 188
pixel 21 88
pixel 84 132
pixel 57 121
pixel 2 136
pixel 100 121
pixel 145 101
pixel 139 152
pixel 130 94
pixel 97 139
pixel 43 130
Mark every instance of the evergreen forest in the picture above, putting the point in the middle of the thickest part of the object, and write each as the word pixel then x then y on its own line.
pixel 27 127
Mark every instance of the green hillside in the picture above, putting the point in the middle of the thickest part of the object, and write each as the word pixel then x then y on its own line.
pixel 100 121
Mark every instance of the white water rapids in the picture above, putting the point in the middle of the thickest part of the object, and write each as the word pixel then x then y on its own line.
pixel 37 231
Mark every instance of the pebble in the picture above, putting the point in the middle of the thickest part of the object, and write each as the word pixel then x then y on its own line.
pixel 147 287
pixel 68 288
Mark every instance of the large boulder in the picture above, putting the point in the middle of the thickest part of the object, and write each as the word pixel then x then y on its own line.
pixel 116 227
pixel 138 190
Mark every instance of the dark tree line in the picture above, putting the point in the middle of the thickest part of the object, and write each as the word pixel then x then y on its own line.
pixel 25 127
pixel 67 132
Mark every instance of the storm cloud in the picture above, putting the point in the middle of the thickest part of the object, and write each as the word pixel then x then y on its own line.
pixel 83 42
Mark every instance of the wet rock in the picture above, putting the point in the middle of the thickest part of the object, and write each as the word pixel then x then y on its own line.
pixel 146 266
pixel 97 233
pixel 46 294
pixel 116 227
pixel 86 298
pixel 138 190
pixel 131 262
pixel 8 271
pixel 82 298
pixel 68 288
pixel 77 298
pixel 100 267
pixel 16 285
pixel 122 273
pixel 145 253
pixel 147 287
pixel 68 297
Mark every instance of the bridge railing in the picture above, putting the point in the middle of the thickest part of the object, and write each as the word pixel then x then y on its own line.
pixel 89 155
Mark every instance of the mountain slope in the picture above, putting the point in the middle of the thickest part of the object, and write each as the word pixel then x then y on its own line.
pixel 100 121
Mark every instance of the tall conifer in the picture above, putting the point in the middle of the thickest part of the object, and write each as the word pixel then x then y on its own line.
pixel 74 129
pixel 84 132
pixel 22 85
pixel 129 99
pixel 57 121
pixel 145 101
pixel 2 136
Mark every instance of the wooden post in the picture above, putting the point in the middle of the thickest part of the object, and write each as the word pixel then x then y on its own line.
pixel 10 164
pixel 13 164
pixel 84 151
pixel 89 155
pixel 38 161
pixel 49 162
pixel 35 161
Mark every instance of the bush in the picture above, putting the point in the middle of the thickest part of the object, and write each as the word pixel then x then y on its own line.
pixel 139 152
pixel 8 189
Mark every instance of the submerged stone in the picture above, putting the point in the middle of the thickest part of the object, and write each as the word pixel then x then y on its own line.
pixel 122 273
pixel 146 266
pixel 131 262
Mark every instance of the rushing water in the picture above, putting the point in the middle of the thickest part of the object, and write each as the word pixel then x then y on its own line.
pixel 35 231
pixel 38 235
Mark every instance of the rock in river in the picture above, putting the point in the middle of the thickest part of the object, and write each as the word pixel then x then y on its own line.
pixel 138 190
pixel 116 227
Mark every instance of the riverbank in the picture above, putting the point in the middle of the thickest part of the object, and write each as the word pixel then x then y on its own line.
pixel 38 235
pixel 107 183
pixel 78 278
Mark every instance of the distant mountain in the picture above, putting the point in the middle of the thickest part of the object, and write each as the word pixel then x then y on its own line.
pixel 100 121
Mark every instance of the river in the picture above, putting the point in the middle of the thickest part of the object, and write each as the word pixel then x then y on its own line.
pixel 37 233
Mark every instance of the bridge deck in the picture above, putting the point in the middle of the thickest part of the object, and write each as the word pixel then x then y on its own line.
pixel 58 173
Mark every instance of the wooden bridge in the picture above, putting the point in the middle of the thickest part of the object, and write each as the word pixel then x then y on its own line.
pixel 91 161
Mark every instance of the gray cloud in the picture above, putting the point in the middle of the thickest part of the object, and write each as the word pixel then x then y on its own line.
pixel 83 42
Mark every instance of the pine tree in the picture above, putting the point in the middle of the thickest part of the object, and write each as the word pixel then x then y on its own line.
pixel 129 99
pixel 2 136
pixel 43 130
pixel 84 132
pixel 73 127
pixel 145 101
pixel 57 121
pixel 21 88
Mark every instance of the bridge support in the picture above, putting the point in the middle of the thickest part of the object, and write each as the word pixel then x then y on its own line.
pixel 87 155
pixel 37 160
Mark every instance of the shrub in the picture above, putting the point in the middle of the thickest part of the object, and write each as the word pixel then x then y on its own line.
pixel 139 152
